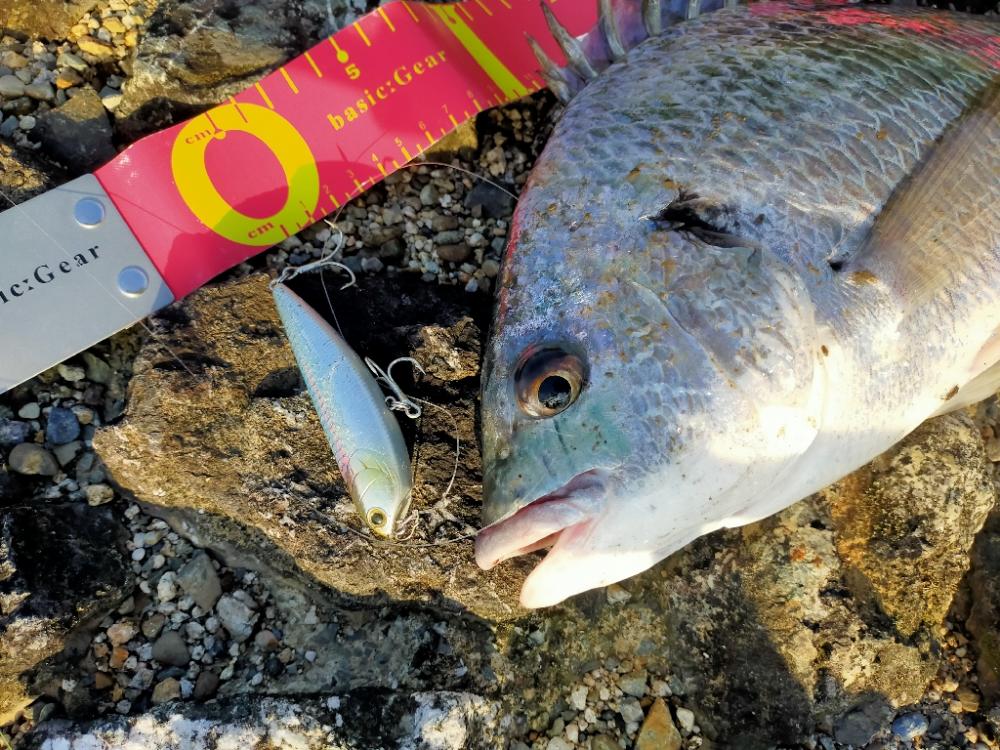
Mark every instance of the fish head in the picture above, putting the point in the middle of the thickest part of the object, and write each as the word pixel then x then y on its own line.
pixel 642 385
pixel 381 493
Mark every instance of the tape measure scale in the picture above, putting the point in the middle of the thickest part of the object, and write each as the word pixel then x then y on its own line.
pixel 207 194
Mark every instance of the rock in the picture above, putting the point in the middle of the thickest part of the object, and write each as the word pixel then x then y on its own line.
pixel 910 726
pixel 458 253
pixel 102 681
pixel 166 690
pixel 49 19
pixel 633 683
pixel 429 195
pixel 658 731
pixel 78 132
pixel 171 650
pixel 630 710
pixel 23 176
pixel 33 460
pixel 236 617
pixel 193 60
pixel 685 717
pixel 220 462
pixel 166 587
pixel 199 580
pixel 205 686
pixel 448 353
pixel 62 568
pixel 41 91
pixel 99 494
pixel 493 202
pixel 62 426
pixel 121 633
pixel 266 641
pixel 98 371
pixel 65 454
pixel 11 87
pixel 860 725
pixel 908 538
pixel 984 613
pixel 31 410
pixel 558 743
pixel 96 47
pixel 13 432
pixel 433 720
pixel 153 624
pixel 463 140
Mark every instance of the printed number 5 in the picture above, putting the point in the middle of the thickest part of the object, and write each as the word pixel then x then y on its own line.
pixel 352 71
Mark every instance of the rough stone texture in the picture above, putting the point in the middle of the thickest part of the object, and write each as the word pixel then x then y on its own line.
pixel 195 55
pixel 24 176
pixel 232 434
pixel 78 133
pixel 909 536
pixel 983 621
pixel 62 567
pixel 769 633
pixel 49 19
pixel 416 721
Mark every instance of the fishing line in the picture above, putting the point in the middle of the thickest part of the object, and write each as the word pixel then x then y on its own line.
pixel 66 254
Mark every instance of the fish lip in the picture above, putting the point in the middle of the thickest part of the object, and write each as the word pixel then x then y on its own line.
pixel 576 502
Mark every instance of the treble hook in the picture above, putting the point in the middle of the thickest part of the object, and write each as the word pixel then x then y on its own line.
pixel 400 401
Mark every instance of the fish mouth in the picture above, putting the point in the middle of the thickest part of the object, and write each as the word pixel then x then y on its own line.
pixel 539 524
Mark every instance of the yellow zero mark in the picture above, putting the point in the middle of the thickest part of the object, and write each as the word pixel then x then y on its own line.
pixel 187 162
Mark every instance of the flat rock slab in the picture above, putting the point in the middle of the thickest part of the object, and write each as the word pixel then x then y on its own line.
pixel 219 430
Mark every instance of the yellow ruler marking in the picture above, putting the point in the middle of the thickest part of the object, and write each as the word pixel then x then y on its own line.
pixel 505 4
pixel 264 96
pixel 358 185
pixel 420 149
pixel 289 81
pixel 475 103
pixel 454 122
pixel 406 154
pixel 315 67
pixel 336 203
pixel 395 164
pixel 499 73
pixel 385 17
pixel 410 11
pixel 430 138
pixel 382 169
pixel 361 33
pixel 464 12
pixel 483 6
pixel 236 106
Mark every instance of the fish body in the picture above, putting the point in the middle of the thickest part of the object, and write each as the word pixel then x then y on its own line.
pixel 757 250
pixel 364 436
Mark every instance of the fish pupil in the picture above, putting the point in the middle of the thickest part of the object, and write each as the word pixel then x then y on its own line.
pixel 554 392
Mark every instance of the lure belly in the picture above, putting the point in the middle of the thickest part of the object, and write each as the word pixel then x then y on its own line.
pixel 364 436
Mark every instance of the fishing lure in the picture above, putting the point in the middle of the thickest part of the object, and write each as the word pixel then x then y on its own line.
pixel 364 436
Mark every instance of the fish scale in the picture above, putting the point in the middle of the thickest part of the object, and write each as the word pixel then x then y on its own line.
pixel 749 235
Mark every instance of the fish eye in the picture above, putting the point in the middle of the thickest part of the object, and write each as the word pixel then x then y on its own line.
pixel 548 381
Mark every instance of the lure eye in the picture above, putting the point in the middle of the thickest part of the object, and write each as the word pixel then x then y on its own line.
pixel 548 381
pixel 377 518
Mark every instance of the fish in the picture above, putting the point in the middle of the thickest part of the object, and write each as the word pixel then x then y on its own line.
pixel 365 438
pixel 761 245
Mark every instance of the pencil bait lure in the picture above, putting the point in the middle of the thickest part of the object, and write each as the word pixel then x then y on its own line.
pixel 364 436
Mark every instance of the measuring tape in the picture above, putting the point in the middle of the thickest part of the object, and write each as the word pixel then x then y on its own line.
pixel 179 207
pixel 207 194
